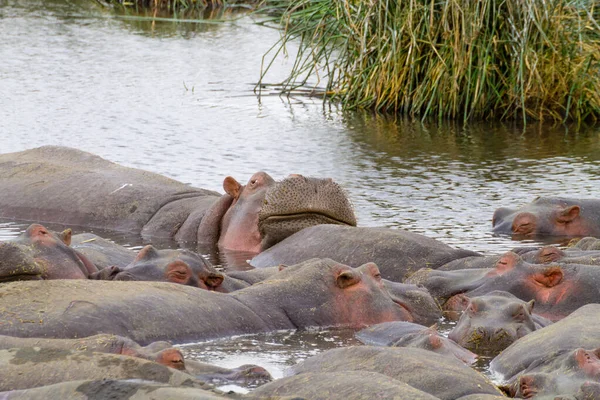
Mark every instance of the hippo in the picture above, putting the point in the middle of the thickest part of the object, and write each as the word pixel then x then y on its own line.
pixel 549 216
pixel 581 329
pixel 572 255
pixel 408 334
pixel 27 367
pixel 322 293
pixel 346 385
pixel 396 252
pixel 71 187
pixel 441 376
pixel 40 253
pixel 102 252
pixel 114 389
pixel 177 266
pixel 572 372
pixel 494 321
pixel 248 375
pixel 557 289
pixel 160 352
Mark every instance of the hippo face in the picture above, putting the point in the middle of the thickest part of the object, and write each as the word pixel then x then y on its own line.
pixel 178 266
pixel 41 254
pixel 264 212
pixel 575 372
pixel 492 322
pixel 323 292
pixel 544 217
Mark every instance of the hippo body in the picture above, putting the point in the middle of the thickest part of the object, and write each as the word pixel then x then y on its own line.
pixel 397 253
pixel 71 187
pixel 39 253
pixel 101 252
pixel 133 389
pixel 323 293
pixel 346 385
pixel 441 376
pixel 160 352
pixel 549 216
pixel 408 334
pixel 28 367
pixel 558 289
pixel 494 321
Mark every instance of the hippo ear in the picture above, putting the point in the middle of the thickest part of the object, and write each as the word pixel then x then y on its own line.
pixel 232 187
pixel 65 236
pixel 346 279
pixel 214 280
pixel 550 277
pixel 529 306
pixel 568 214
pixel 281 267
pixel 147 253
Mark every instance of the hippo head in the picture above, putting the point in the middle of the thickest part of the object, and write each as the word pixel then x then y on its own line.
pixel 492 322
pixel 264 212
pixel 542 217
pixel 323 292
pixel 177 266
pixel 42 254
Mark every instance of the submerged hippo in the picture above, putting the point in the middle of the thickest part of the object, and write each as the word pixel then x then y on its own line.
pixel 550 216
pixel 397 253
pixel 558 289
pixel 408 334
pixel 72 187
pixel 160 352
pixel 322 293
pixel 40 253
pixel 494 321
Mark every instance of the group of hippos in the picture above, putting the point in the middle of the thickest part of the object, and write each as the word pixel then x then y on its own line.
pixel 84 318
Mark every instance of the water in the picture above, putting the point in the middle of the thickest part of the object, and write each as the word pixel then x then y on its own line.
pixel 177 99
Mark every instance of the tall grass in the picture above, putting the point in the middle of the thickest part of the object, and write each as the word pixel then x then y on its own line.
pixel 459 59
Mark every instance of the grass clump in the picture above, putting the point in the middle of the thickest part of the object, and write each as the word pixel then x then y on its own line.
pixel 459 59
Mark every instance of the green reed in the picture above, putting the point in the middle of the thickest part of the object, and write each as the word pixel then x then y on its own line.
pixel 459 59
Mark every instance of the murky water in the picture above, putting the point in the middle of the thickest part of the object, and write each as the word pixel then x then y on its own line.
pixel 177 99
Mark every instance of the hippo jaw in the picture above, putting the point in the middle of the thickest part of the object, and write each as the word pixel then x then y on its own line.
pixel 298 202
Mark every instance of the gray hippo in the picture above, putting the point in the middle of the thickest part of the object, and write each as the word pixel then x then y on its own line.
pixel 396 252
pixel 549 216
pixel 322 293
pixel 558 361
pixel 558 289
pixel 71 187
pixel 493 321
pixel 39 253
pixel 443 377
pixel 408 334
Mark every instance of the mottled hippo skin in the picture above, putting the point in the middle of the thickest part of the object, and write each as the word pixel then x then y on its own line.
pixel 160 352
pixel 408 334
pixel 322 293
pixel 558 289
pixel 42 254
pixel 494 321
pixel 72 187
pixel 549 216
pixel 397 253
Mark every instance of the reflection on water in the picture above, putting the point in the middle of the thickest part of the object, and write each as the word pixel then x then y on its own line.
pixel 176 98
